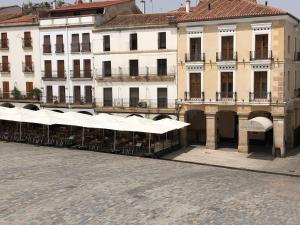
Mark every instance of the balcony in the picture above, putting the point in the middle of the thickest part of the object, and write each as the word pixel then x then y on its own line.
pixel 27 43
pixel 297 56
pixel 189 98
pixel 53 75
pixel 4 44
pixel 47 48
pixel 264 97
pixel 267 55
pixel 4 67
pixel 28 68
pixel 152 74
pixel 59 48
pixel 191 57
pixel 81 75
pixel 221 57
pixel 160 105
pixel 83 47
pixel 23 97
pixel 226 96
pixel 66 101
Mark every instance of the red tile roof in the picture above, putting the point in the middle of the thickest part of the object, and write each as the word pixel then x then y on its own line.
pixel 228 9
pixel 89 5
pixel 19 19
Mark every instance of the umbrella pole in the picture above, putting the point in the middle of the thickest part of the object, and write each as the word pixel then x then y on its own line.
pixel 48 134
pixel 20 131
pixel 82 136
pixel 114 141
pixel 149 143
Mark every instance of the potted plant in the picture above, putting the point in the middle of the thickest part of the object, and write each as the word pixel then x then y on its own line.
pixel 36 93
pixel 16 93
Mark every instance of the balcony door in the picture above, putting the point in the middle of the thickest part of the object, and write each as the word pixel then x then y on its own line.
pixel 4 40
pixel 88 94
pixel 87 68
pixel 195 49
pixel 260 85
pixel 195 85
pixel 76 68
pixel 162 67
pixel 134 67
pixel 86 47
pixel 162 97
pixel 61 69
pixel 227 85
pixel 227 48
pixel 75 46
pixel 29 89
pixel 5 64
pixel 261 46
pixel 107 97
pixel 48 69
pixel 27 40
pixel 28 63
pixel 62 94
pixel 47 44
pixel 134 97
pixel 5 88
pixel 59 44
pixel 77 97
pixel 49 91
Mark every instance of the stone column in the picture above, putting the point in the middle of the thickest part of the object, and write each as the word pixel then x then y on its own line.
pixel 183 133
pixel 211 131
pixel 243 134
pixel 278 136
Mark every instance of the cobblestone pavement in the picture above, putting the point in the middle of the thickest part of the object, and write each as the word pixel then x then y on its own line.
pixel 41 186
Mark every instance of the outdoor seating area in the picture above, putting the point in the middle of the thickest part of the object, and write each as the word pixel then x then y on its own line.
pixel 103 133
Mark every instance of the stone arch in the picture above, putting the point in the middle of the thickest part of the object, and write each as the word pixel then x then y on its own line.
pixel 85 112
pixel 7 105
pixel 161 116
pixel 138 115
pixel 31 107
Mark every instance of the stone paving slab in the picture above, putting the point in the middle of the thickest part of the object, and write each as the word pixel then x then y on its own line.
pixel 50 186
pixel 231 158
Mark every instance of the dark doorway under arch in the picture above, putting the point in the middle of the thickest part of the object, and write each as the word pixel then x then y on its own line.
pixel 160 117
pixel 86 113
pixel 31 107
pixel 135 115
pixel 227 129
pixel 7 105
pixel 196 132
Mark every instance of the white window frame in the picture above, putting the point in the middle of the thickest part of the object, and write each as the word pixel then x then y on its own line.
pixel 195 33
pixel 259 29
pixel 227 31
pixel 261 68
pixel 227 69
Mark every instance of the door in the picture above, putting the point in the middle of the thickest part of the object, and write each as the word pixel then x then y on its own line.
pixel 61 69
pixel 62 94
pixel 195 85
pixel 226 85
pixel 27 40
pixel 88 94
pixel 5 64
pixel 76 68
pixel 162 67
pixel 195 49
pixel 77 97
pixel 107 97
pixel 134 67
pixel 261 46
pixel 48 69
pixel 59 44
pixel 29 89
pixel 227 48
pixel 49 92
pixel 86 46
pixel 5 87
pixel 75 43
pixel 47 44
pixel 162 97
pixel 260 85
pixel 4 40
pixel 107 68
pixel 28 63
pixel 134 97
pixel 87 68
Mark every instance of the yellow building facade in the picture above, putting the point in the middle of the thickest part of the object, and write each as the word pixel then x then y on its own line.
pixel 233 71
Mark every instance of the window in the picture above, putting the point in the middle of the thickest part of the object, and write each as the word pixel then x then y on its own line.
pixel 48 68
pixel 28 64
pixel 260 85
pixel 261 46
pixel 59 44
pixel 76 68
pixel 107 97
pixel 49 92
pixel 4 41
pixel 5 64
pixel 86 45
pixel 195 49
pixel 133 42
pixel 133 67
pixel 134 97
pixel 88 94
pixel 62 94
pixel 162 41
pixel 77 96
pixel 226 84
pixel 61 69
pixel 195 85
pixel 106 68
pixel 106 43
pixel 27 42
pixel 29 89
pixel 227 48
pixel 162 67
pixel 75 45
pixel 87 68
pixel 5 88
pixel 162 97
pixel 289 43
pixel 47 44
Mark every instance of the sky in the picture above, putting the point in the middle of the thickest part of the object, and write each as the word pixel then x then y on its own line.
pixel 292 6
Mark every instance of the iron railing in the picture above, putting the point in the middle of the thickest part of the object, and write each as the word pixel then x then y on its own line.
pixel 81 74
pixel 192 57
pixel 261 55
pixel 260 97
pixel 59 48
pixel 198 98
pixel 221 56
pixel 5 67
pixel 27 42
pixel 53 75
pixel 4 44
pixel 47 48
pixel 28 96
pixel 28 67
pixel 80 100
pixel 226 96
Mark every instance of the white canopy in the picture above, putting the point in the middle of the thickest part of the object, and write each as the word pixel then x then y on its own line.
pixel 101 121
pixel 259 124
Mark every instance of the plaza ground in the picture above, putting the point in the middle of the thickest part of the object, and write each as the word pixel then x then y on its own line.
pixel 41 185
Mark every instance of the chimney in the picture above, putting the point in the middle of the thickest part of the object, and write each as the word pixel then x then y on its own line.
pixel 143 6
pixel 54 4
pixel 266 3
pixel 187 5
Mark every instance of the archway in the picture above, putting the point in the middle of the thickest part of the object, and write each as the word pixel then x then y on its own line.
pixel 227 129
pixel 135 115
pixel 297 137
pixel 8 105
pixel 160 117
pixel 86 113
pixel 196 132
pixel 31 107
pixel 261 142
